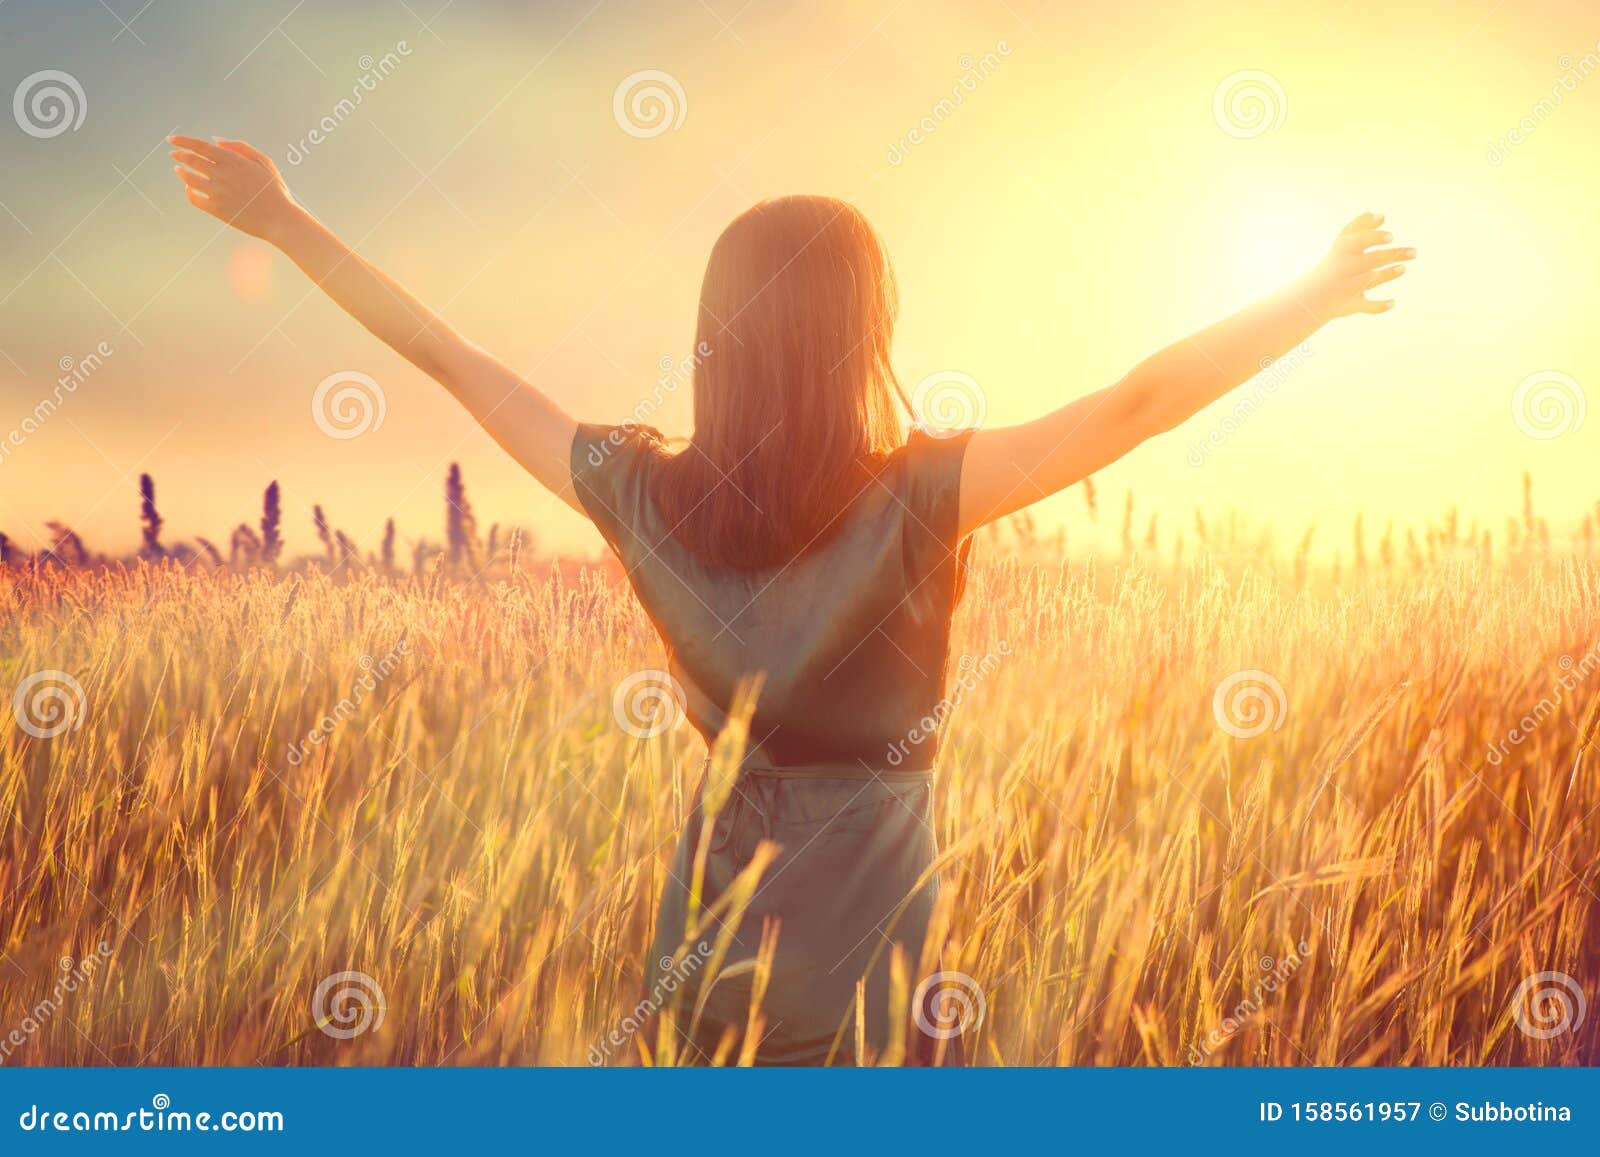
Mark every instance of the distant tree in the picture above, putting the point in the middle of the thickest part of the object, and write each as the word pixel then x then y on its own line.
pixel 66 548
pixel 244 548
pixel 149 519
pixel 461 529
pixel 349 553
pixel 271 520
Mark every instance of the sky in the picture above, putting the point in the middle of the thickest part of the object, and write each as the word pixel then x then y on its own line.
pixel 1063 188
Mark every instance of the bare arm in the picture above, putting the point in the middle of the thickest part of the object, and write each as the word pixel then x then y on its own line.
pixel 1007 469
pixel 241 186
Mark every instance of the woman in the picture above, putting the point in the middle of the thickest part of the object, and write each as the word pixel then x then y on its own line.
pixel 800 537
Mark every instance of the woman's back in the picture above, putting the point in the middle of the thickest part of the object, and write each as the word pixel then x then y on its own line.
pixel 850 638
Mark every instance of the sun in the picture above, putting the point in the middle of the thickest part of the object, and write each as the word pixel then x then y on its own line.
pixel 1272 242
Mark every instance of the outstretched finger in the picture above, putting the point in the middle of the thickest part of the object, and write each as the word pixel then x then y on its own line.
pixel 1376 257
pixel 194 160
pixel 191 178
pixel 206 149
pixel 1389 274
pixel 246 150
pixel 1364 221
pixel 1364 239
pixel 200 201
pixel 1365 305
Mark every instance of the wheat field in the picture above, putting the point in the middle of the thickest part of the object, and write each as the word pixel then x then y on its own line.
pixel 1214 810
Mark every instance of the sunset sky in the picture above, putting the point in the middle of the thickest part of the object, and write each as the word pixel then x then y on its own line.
pixel 1088 199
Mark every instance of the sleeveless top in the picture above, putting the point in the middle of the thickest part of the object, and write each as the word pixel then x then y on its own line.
pixel 852 637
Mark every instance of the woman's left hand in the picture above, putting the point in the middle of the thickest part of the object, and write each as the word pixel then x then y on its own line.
pixel 236 183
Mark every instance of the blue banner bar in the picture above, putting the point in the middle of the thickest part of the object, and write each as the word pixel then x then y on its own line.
pixel 824 1111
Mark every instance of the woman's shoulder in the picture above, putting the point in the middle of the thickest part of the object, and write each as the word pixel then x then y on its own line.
pixel 929 484
pixel 930 459
pixel 610 466
pixel 597 445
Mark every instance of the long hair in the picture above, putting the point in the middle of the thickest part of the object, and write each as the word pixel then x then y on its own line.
pixel 795 402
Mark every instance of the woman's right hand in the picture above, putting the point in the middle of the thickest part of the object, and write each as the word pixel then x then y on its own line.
pixel 235 183
pixel 1356 263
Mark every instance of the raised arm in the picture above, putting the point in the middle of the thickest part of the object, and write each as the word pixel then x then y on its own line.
pixel 240 185
pixel 1009 468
